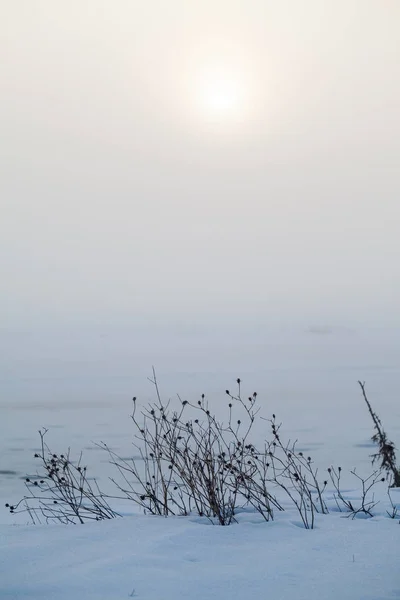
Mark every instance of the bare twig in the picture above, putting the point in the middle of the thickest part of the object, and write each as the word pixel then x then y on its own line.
pixel 386 449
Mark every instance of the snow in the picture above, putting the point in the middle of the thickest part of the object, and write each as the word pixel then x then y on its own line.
pixel 152 558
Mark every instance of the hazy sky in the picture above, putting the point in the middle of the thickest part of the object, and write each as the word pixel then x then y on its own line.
pixel 195 162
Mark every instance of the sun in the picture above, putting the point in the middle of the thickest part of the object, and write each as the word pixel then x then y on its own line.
pixel 220 95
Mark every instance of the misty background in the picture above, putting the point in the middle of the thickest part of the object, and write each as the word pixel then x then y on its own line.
pixel 136 230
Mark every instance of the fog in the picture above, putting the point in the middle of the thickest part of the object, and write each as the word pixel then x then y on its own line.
pixel 140 226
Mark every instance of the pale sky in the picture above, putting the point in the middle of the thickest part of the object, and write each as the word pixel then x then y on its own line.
pixel 199 162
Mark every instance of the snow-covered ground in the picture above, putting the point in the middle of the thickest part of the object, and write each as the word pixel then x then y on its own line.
pixel 154 558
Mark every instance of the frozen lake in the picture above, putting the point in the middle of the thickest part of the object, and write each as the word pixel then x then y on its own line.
pixel 310 383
